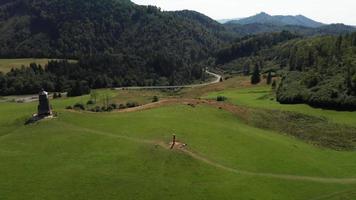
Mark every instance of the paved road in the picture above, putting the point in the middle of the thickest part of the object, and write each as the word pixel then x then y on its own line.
pixel 31 98
pixel 216 80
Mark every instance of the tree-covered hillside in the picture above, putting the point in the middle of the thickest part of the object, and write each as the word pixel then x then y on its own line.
pixel 258 28
pixel 248 46
pixel 322 72
pixel 66 28
pixel 279 20
pixel 169 47
pixel 319 71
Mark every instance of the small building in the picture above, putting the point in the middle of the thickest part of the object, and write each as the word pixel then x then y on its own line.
pixel 44 109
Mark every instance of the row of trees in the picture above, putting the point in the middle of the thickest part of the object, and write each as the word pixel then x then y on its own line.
pixel 100 71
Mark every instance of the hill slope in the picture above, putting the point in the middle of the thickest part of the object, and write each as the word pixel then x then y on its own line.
pixel 111 156
pixel 71 28
pixel 150 47
pixel 280 20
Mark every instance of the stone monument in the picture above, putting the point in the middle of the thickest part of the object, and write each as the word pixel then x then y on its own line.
pixel 44 109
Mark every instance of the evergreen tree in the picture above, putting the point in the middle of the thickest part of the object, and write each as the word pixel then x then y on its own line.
pixel 79 88
pixel 256 76
pixel 269 78
pixel 274 84
pixel 338 47
pixel 354 83
pixel 246 70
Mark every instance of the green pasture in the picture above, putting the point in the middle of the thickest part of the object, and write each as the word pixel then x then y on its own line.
pixel 263 97
pixel 115 156
pixel 7 64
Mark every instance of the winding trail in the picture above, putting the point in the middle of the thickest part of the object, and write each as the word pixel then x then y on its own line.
pixel 192 102
pixel 345 181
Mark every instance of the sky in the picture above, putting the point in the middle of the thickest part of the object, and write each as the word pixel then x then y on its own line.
pixel 326 11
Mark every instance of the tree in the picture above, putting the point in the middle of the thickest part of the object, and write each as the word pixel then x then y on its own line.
pixel 55 95
pixel 256 76
pixel 269 78
pixel 354 83
pixel 246 70
pixel 274 84
pixel 94 95
pixel 80 88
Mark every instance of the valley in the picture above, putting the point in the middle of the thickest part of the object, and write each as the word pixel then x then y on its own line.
pixel 120 150
pixel 112 100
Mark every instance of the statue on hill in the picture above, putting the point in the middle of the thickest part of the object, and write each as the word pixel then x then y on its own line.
pixel 44 108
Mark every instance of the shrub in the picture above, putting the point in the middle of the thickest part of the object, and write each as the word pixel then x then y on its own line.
pixel 79 106
pixel 221 98
pixel 97 109
pixel 155 99
pixel 91 102
pixel 55 95
pixel 69 107
pixel 122 106
pixel 109 109
pixel 131 104
pixel 113 106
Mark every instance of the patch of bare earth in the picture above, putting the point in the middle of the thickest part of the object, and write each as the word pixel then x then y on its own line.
pixel 239 111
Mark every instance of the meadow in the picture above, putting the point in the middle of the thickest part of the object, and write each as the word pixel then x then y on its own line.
pixel 7 64
pixel 80 155
pixel 262 96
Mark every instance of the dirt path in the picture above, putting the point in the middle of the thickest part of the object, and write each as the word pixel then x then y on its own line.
pixel 190 102
pixel 223 167
pixel 335 194
pixel 271 175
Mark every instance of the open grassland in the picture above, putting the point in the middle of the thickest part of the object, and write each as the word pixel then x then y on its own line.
pixel 7 64
pixel 81 155
pixel 262 96
pixel 111 155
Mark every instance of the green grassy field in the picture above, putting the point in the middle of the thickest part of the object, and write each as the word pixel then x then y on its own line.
pixel 117 156
pixel 7 64
pixel 261 97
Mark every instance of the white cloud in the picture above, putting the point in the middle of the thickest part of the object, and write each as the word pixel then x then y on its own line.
pixel 327 11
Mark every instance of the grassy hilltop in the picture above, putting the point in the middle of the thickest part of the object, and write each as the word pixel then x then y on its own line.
pixel 124 155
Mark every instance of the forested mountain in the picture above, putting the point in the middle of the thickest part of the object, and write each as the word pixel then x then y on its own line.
pixel 320 71
pixel 63 28
pixel 168 47
pixel 250 45
pixel 118 43
pixel 252 29
pixel 278 20
pixel 264 23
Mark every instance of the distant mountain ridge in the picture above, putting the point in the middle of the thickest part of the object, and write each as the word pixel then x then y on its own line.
pixel 223 21
pixel 257 28
pixel 278 20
